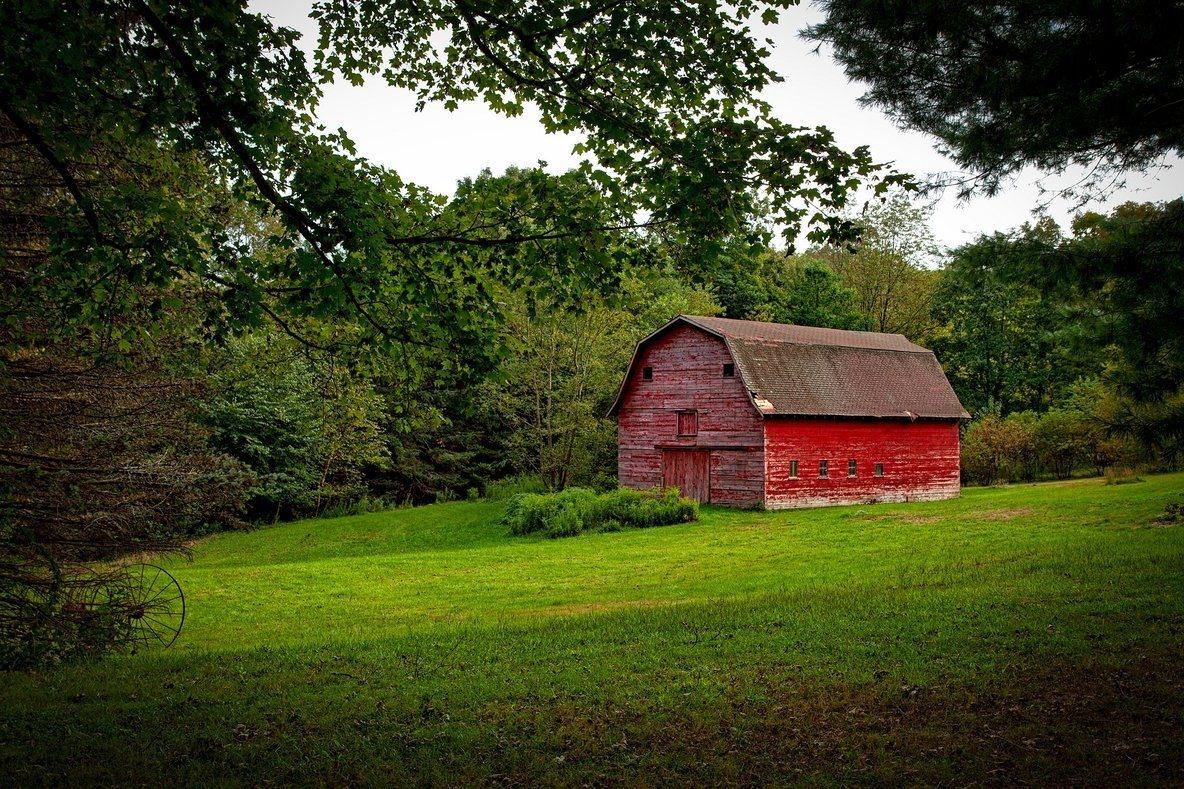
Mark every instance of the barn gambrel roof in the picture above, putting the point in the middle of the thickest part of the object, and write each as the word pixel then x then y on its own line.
pixel 809 371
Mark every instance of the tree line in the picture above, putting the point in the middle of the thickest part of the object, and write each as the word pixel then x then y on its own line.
pixel 1056 381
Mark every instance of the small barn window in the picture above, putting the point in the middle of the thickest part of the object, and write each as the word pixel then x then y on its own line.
pixel 793 468
pixel 822 469
pixel 688 423
pixel 647 373
pixel 729 370
pixel 879 469
pixel 851 467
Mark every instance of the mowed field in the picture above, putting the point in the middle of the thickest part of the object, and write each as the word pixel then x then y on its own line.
pixel 1026 633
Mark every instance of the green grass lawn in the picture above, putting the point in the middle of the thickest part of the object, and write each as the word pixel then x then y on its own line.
pixel 1022 633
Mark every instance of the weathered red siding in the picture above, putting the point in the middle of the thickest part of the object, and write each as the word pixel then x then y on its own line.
pixel 921 461
pixel 688 374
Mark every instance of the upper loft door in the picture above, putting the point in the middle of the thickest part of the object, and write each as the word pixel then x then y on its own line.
pixel 689 470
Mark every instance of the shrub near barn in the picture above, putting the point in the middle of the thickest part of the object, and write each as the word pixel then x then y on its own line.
pixel 1026 446
pixel 576 510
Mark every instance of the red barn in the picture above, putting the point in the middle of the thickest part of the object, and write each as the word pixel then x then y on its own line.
pixel 752 414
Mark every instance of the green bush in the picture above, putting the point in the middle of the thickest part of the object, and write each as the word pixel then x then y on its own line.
pixel 642 508
pixel 1064 440
pixel 1026 446
pixel 577 510
pixel 517 512
pixel 1173 512
pixel 567 521
pixel 998 449
pixel 557 514
pixel 1120 451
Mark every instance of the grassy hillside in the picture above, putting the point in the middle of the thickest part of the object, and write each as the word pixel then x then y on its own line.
pixel 1021 633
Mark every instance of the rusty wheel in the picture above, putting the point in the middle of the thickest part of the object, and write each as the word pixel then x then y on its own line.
pixel 151 604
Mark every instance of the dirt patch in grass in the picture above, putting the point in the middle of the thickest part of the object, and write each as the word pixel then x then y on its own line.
pixel 1004 514
pixel 894 517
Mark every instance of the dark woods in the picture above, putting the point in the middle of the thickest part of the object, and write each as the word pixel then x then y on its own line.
pixel 100 451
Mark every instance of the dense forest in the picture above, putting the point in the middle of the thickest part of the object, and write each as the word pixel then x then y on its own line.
pixel 279 422
pixel 1052 378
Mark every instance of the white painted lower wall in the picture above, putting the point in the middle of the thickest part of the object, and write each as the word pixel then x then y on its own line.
pixel 888 497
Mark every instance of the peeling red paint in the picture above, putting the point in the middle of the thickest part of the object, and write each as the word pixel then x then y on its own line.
pixel 688 375
pixel 920 461
pixel 748 454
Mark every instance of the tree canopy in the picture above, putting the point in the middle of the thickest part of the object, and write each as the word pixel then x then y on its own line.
pixel 889 269
pixel 995 331
pixel 1008 84
pixel 153 118
pixel 1130 264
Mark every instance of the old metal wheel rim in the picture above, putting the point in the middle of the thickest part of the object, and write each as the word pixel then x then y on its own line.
pixel 154 606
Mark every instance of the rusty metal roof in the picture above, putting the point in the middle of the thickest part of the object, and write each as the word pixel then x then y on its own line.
pixel 802 335
pixel 810 371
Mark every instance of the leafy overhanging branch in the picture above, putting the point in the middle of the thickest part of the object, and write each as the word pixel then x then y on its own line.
pixel 675 134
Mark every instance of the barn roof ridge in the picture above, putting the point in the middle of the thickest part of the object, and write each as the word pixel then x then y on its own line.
pixel 801 334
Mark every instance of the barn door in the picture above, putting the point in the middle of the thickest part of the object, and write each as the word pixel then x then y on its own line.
pixel 689 470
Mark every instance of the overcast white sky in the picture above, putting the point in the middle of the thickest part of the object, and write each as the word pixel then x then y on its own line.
pixel 436 147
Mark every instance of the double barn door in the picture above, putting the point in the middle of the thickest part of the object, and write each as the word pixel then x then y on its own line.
pixel 689 470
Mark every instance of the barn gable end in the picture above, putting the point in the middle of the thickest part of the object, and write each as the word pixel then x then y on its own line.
pixel 687 368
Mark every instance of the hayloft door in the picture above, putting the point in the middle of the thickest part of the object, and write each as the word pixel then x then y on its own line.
pixel 689 470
